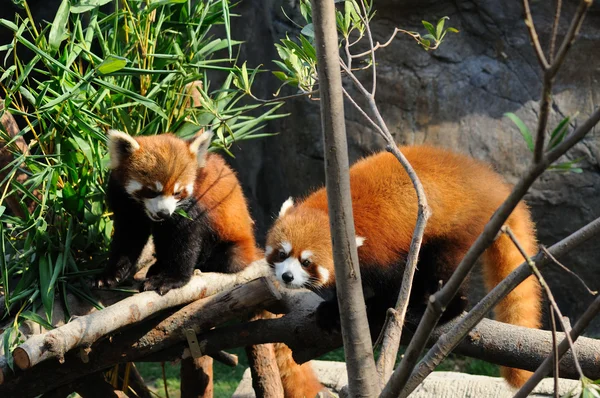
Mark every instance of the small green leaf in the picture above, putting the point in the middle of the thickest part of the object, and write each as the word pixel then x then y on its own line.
pixel 453 30
pixel 308 30
pixel 32 316
pixel 559 132
pixel 87 5
pixel 440 27
pixel 527 136
pixel 429 27
pixel 183 213
pixel 58 31
pixel 111 64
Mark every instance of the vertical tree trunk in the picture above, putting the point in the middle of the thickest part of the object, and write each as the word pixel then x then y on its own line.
pixel 265 373
pixel 362 376
pixel 197 377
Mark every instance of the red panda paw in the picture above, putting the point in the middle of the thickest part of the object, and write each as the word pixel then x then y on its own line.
pixel 328 316
pixel 162 284
pixel 106 280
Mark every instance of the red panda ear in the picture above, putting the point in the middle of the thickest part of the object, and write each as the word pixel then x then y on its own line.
pixel 199 146
pixel 360 240
pixel 286 206
pixel 120 146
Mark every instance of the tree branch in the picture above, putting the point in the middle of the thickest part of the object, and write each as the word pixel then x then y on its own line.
pixel 439 300
pixel 143 340
pixel 563 347
pixel 357 340
pixel 535 41
pixel 453 337
pixel 85 330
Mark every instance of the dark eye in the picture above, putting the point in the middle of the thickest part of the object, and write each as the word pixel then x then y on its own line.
pixel 282 255
pixel 306 263
pixel 178 194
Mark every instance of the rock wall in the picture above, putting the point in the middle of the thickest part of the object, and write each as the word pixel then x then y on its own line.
pixel 454 97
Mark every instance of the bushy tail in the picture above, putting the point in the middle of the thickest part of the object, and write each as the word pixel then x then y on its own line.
pixel 299 381
pixel 523 305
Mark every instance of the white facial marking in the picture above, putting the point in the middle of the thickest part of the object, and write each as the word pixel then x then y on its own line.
pixel 305 255
pixel 360 240
pixel 162 203
pixel 176 187
pixel 133 186
pixel 158 186
pixel 288 204
pixel 291 266
pixel 189 188
pixel 268 250
pixel 116 139
pixel 324 272
pixel 287 247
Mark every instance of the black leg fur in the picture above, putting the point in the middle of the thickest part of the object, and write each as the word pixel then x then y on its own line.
pixel 131 232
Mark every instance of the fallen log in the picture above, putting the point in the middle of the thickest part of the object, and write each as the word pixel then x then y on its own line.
pixel 85 330
pixel 134 343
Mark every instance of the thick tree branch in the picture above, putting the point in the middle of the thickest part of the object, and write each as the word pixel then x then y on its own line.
pixel 356 335
pixel 142 340
pixel 85 330
pixel 563 347
pixel 453 338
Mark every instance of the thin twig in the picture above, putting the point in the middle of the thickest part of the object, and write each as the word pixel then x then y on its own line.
pixel 563 347
pixel 452 338
pixel 365 20
pixel 506 229
pixel 555 29
pixel 555 261
pixel 555 351
pixel 535 41
pixel 567 42
pixel 379 45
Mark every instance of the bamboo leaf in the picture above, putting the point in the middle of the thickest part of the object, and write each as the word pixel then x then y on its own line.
pixel 111 64
pixel 58 31
pixel 32 316
pixel 527 136
pixel 87 5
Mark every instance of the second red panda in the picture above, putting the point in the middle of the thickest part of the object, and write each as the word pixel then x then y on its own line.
pixel 462 192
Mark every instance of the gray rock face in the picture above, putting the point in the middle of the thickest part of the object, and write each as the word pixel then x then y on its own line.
pixel 454 97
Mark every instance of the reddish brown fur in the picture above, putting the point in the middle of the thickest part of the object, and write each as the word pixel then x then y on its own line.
pixel 463 193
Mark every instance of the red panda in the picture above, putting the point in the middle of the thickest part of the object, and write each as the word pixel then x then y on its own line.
pixel 462 193
pixel 152 179
pixel 154 176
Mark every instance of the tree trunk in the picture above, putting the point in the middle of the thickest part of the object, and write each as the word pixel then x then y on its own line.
pixel 197 377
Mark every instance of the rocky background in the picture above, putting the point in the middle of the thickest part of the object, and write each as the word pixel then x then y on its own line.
pixel 454 97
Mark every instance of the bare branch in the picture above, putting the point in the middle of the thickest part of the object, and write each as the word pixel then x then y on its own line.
pixel 555 261
pixel 569 39
pixel 379 45
pixel 555 29
pixel 85 330
pixel 540 277
pixel 535 41
pixel 450 340
pixel 563 347
pixel 554 352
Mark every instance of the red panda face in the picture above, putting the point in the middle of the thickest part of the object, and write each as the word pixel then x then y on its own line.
pixel 157 171
pixel 299 249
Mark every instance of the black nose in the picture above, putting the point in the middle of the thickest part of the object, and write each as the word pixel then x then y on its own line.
pixel 287 277
pixel 163 215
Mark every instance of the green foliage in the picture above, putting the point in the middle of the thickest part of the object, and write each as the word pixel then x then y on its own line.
pixel 298 59
pixel 556 137
pixel 90 71
pixel 589 389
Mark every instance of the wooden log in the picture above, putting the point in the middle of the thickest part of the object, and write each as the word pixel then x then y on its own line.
pixel 85 330
pixel 197 377
pixel 141 340
pixel 226 358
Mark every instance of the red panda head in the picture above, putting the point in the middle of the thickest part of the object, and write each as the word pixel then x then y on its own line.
pixel 299 247
pixel 158 171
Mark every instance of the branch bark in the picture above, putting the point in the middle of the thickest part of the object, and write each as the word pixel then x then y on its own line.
pixel 452 339
pixel 357 339
pixel 85 330
pixel 196 375
pixel 142 340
